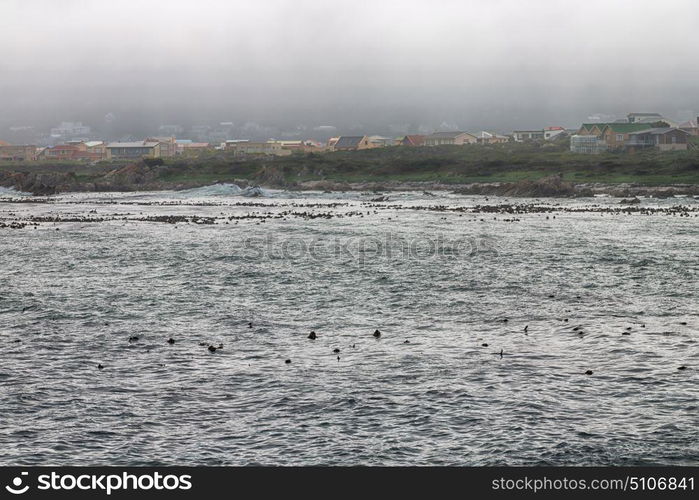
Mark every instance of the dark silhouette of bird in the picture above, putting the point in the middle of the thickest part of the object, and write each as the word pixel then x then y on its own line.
pixel 526 328
pixel 288 361
pixel 407 342
pixel 588 372
pixel 133 338
pixel 100 367
pixel 682 367
pixel 484 345
pixel 377 333
pixel 501 353
pixel 683 322
pixel 250 324
pixel 212 349
pixel 170 341
pixel 338 358
pixel 312 335
pixel 336 350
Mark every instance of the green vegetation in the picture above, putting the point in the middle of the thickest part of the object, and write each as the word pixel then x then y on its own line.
pixel 509 162
pixel 449 164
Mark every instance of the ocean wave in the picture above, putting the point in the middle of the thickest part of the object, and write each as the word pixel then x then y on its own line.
pixel 224 189
pixel 11 193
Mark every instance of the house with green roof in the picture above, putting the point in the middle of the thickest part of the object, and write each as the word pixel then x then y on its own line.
pixel 615 135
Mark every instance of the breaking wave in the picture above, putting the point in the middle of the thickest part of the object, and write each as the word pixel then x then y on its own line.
pixel 11 193
pixel 224 189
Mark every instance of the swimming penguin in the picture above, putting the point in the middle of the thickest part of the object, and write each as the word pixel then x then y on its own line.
pixel 288 361
pixel 312 335
pixel 212 349
pixel 377 334
pixel 250 324
pixel 170 341
pixel 134 338
pixel 526 328
pixel 501 353
pixel 100 367
pixel 407 342
pixel 588 372
pixel 682 367
pixel 336 350
pixel 484 345
pixel 626 333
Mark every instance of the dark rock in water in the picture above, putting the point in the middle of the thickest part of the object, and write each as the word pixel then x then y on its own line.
pixel 288 361
pixel 588 372
pixel 100 367
pixel 212 348
pixel 377 334
pixel 632 201
pixel 312 335
pixel 170 341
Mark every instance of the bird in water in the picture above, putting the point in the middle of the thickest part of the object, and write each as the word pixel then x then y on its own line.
pixel 588 372
pixel 133 338
pixel 100 367
pixel 484 345
pixel 212 349
pixel 250 324
pixel 312 335
pixel 526 328
pixel 501 353
pixel 336 350
pixel 682 367
pixel 170 341
pixel 377 333
pixel 288 361
pixel 407 342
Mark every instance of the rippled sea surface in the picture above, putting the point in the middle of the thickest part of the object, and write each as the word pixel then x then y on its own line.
pixel 598 288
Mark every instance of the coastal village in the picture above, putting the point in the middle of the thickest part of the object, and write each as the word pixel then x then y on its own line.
pixel 73 141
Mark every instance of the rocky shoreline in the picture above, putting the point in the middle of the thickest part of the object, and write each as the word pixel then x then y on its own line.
pixel 142 177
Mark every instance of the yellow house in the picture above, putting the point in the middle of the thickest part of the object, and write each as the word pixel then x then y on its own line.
pixel 133 150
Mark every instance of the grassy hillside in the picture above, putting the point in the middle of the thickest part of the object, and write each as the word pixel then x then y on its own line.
pixel 448 164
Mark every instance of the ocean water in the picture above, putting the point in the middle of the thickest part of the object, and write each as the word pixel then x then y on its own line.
pixel 598 288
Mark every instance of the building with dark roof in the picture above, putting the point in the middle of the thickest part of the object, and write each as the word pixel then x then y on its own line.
pixel 352 143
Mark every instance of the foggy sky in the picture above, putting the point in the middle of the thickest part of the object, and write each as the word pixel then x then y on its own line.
pixel 496 64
